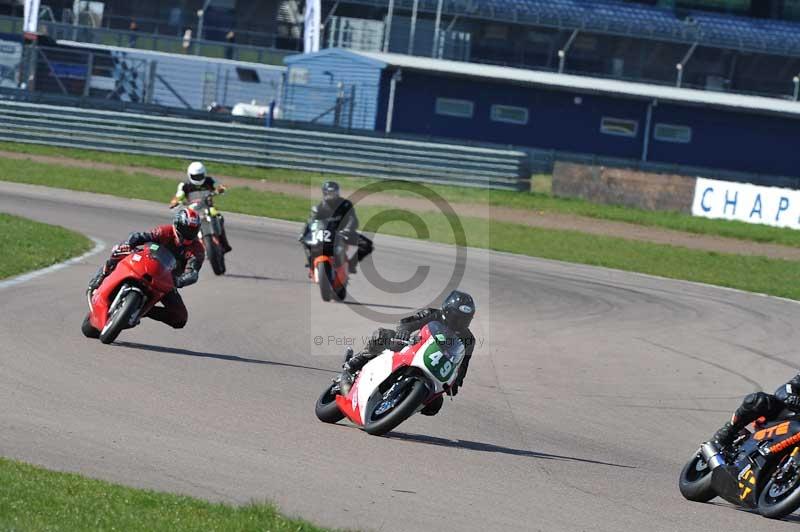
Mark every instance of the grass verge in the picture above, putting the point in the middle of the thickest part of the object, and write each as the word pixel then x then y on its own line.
pixel 29 245
pixel 538 199
pixel 770 276
pixel 32 498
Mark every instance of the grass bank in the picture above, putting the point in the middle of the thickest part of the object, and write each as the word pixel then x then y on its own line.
pixel 537 200
pixel 776 277
pixel 27 245
pixel 32 498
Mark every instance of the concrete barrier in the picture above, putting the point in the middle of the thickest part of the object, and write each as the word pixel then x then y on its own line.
pixel 618 186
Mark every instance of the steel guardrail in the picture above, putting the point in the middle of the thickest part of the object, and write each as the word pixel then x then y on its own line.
pixel 319 151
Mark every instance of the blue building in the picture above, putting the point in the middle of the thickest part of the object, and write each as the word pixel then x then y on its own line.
pixel 577 114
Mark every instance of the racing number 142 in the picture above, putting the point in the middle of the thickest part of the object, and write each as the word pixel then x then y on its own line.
pixel 323 235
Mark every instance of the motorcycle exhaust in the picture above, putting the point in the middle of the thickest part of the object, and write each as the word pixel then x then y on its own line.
pixel 712 455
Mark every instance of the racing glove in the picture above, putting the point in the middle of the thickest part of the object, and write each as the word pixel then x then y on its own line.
pixel 120 250
pixel 380 340
pixel 793 402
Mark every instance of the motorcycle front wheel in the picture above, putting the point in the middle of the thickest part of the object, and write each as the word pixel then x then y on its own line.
pixel 380 422
pixel 781 494
pixel 215 255
pixel 324 275
pixel 695 480
pixel 121 316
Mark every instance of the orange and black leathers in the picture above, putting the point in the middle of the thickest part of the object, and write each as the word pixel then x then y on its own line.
pixel 760 404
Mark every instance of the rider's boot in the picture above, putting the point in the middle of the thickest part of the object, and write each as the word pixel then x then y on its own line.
pixel 432 408
pixel 97 280
pixel 350 368
pixel 352 266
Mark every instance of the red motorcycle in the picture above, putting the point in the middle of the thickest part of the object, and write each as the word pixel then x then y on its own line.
pixel 138 282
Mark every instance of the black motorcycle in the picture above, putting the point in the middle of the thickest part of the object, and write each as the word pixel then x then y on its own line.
pixel 760 470
pixel 327 257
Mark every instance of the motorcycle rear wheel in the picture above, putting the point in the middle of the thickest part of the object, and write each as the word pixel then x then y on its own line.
pixel 129 304
pixel 780 496
pixel 402 411
pixel 695 481
pixel 326 409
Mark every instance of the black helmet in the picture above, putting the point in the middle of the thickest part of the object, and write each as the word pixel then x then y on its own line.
pixel 330 191
pixel 458 310
pixel 186 224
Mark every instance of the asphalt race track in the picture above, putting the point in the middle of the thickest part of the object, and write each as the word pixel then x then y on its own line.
pixel 588 391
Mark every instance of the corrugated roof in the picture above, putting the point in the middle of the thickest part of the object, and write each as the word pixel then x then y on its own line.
pixel 586 83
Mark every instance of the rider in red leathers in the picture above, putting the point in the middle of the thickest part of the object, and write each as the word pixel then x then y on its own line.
pixel 181 239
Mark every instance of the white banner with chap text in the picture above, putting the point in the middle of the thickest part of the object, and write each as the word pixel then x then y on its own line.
pixel 31 16
pixel 313 26
pixel 779 207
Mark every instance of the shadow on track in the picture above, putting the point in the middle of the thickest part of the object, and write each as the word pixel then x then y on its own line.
pixel 725 504
pixel 491 448
pixel 359 304
pixel 263 278
pixel 200 354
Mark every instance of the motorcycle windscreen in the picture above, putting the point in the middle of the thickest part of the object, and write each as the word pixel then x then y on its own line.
pixel 443 352
pixel 163 256
pixel 322 238
pixel 449 344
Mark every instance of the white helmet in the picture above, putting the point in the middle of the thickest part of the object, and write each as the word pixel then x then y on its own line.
pixel 196 173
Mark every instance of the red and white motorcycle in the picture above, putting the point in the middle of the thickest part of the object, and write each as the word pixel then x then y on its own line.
pixel 395 385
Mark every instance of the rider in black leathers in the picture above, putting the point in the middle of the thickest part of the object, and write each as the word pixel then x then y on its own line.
pixel 456 313
pixel 333 205
pixel 758 405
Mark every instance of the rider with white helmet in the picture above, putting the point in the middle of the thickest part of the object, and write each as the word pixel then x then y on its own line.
pixel 196 184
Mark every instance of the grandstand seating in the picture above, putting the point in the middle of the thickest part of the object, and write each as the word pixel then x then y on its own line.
pixel 617 17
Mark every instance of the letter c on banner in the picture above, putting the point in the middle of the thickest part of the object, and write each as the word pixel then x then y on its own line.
pixel 703 199
pixel 782 206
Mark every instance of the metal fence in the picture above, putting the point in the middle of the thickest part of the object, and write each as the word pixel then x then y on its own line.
pixel 268 53
pixel 266 147
pixel 142 77
pixel 180 82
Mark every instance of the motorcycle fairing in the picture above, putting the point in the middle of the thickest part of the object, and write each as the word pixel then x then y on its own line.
pixel 741 482
pixel 134 268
